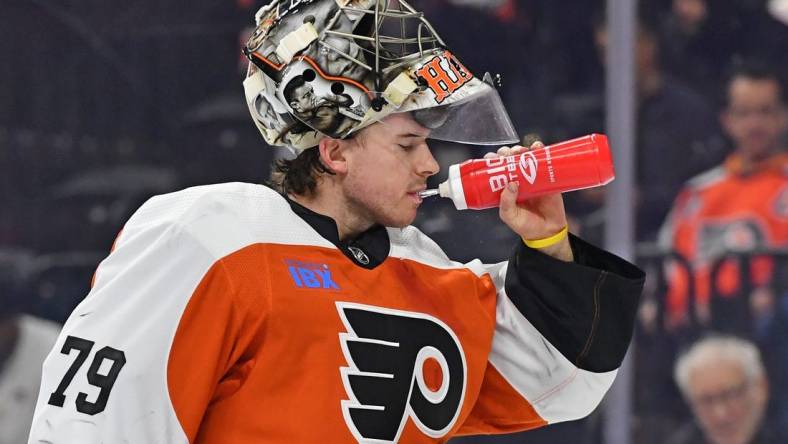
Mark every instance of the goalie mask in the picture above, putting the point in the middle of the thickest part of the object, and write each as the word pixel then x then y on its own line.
pixel 332 67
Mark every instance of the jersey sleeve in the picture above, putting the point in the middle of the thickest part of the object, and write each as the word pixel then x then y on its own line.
pixel 562 330
pixel 164 331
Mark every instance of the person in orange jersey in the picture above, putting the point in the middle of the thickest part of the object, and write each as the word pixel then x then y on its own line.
pixel 737 207
pixel 311 311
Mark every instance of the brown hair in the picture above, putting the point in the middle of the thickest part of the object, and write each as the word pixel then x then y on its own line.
pixel 299 175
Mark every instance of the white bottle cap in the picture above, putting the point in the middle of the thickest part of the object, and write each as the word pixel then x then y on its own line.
pixel 452 188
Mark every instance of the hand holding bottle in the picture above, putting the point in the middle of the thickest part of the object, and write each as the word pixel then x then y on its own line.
pixel 526 183
pixel 539 217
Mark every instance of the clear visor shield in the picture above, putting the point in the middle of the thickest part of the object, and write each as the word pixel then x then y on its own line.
pixel 480 119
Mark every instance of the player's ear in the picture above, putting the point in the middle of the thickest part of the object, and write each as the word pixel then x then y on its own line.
pixel 332 154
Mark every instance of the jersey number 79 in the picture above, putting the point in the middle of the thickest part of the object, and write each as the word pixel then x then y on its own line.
pixel 104 382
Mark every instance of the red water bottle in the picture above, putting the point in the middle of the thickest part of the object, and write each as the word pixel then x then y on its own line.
pixel 576 164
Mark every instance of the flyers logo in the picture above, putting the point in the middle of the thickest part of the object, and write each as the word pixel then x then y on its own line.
pixel 717 238
pixel 386 351
pixel 528 167
pixel 444 74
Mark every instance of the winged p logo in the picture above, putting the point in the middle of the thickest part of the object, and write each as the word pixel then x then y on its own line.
pixel 386 351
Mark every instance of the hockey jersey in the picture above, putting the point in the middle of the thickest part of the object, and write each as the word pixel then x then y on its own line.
pixel 725 210
pixel 229 314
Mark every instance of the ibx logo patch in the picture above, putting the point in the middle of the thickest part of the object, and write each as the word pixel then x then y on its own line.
pixel 311 275
pixel 386 351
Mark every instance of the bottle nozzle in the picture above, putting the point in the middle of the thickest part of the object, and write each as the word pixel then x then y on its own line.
pixel 428 193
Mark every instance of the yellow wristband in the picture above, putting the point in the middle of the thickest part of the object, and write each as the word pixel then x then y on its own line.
pixel 548 241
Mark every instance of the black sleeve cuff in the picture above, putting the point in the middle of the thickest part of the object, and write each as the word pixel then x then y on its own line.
pixel 585 308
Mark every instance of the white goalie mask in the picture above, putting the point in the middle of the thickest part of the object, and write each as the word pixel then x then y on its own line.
pixel 332 67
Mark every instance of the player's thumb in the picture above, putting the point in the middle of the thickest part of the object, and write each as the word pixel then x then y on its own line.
pixel 508 206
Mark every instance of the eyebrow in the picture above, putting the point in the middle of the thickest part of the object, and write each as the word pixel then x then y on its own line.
pixel 412 135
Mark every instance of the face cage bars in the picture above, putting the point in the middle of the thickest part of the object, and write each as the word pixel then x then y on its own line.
pixel 401 11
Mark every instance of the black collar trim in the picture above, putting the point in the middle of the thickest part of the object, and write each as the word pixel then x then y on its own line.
pixel 367 250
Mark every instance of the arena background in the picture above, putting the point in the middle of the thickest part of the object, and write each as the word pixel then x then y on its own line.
pixel 104 104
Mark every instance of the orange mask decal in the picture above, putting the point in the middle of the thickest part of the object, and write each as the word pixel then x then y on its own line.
pixel 444 74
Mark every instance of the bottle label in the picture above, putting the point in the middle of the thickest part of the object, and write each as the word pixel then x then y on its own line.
pixel 567 166
pixel 528 167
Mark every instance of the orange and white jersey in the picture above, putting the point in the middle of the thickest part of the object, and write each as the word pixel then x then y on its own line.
pixel 228 314
pixel 723 211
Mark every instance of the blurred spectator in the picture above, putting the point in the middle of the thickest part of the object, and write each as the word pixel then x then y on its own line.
pixel 677 134
pixel 723 381
pixel 737 207
pixel 752 30
pixel 691 48
pixel 778 9
pixel 24 343
pixel 701 37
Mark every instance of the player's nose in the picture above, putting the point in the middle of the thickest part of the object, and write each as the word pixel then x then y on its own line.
pixel 427 165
